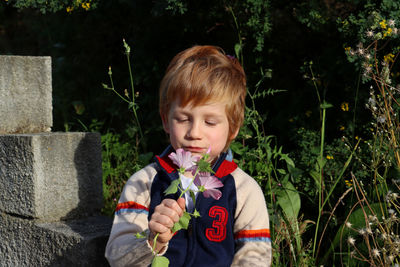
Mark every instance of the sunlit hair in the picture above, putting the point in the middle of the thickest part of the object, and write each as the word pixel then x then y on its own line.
pixel 204 74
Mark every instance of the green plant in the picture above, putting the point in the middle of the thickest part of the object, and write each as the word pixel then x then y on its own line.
pixel 54 5
pixel 119 163
pixel 376 55
pixel 122 158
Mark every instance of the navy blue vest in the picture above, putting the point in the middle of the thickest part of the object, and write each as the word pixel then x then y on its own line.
pixel 209 240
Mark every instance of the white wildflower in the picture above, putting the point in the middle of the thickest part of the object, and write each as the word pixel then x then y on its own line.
pixel 376 253
pixel 351 240
pixel 367 70
pixel 372 218
pixel 381 119
pixel 372 101
pixel 390 258
pixel 369 231
pixel 384 236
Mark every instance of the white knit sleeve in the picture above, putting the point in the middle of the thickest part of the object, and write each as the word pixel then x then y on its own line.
pixel 123 247
pixel 252 234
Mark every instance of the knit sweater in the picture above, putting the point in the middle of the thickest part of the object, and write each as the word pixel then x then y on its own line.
pixel 231 231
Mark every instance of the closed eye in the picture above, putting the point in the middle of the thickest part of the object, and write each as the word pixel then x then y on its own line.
pixel 211 123
pixel 182 119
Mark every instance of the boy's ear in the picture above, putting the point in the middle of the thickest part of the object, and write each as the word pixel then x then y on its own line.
pixel 164 119
pixel 235 133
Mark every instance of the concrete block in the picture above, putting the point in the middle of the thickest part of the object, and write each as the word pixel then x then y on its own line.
pixel 26 242
pixel 25 94
pixel 51 176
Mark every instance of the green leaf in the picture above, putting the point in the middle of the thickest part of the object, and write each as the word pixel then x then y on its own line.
pixel 183 222
pixel 288 160
pixel 289 200
pixel 79 107
pixel 326 105
pixel 172 188
pixel 238 50
pixel 193 196
pixel 160 261
pixel 196 213
pixel 140 235
pixel 315 176
pixel 204 166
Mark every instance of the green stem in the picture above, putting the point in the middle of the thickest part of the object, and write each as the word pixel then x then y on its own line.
pixel 154 243
pixel 355 106
pixel 133 95
pixel 190 184
pixel 113 89
pixel 347 163
pixel 316 88
pixel 320 177
pixel 239 36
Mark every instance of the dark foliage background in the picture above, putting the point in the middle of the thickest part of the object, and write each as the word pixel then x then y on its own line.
pixel 83 44
pixel 293 46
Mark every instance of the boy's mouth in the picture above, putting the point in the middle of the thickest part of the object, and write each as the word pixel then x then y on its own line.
pixel 194 149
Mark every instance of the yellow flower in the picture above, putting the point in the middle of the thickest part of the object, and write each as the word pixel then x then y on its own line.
pixel 357 137
pixel 291 120
pixel 383 24
pixel 329 157
pixel 347 49
pixel 86 6
pixel 349 183
pixel 344 106
pixel 388 32
pixel 341 128
pixel 70 9
pixel 389 58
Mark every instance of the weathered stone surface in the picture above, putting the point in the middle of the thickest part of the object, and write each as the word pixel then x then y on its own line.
pixel 25 94
pixel 26 242
pixel 50 176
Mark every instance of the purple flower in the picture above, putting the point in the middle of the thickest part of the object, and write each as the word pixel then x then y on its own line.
pixel 208 184
pixel 183 159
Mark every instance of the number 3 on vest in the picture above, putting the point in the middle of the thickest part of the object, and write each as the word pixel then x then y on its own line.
pixel 218 231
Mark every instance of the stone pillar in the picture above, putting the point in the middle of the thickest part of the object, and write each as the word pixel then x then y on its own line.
pixel 50 183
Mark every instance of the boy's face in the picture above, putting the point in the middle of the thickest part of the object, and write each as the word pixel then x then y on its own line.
pixel 195 129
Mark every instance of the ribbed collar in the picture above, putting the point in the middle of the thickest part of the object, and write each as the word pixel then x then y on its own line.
pixel 222 167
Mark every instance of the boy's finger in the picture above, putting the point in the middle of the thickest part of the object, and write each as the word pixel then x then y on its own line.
pixel 181 203
pixel 173 204
pixel 158 227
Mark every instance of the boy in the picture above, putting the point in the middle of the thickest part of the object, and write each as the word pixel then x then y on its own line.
pixel 202 101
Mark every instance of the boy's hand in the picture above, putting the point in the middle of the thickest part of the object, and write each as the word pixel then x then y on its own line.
pixel 163 219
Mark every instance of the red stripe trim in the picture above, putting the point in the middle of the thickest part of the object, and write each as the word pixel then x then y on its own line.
pixel 253 233
pixel 226 167
pixel 130 205
pixel 167 164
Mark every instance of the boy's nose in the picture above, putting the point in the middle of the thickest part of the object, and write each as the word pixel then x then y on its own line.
pixel 194 131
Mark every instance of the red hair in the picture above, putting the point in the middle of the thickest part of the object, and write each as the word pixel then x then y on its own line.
pixel 204 74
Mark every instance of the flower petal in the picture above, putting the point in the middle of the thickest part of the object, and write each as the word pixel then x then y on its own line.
pixel 212 182
pixel 214 193
pixel 182 159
